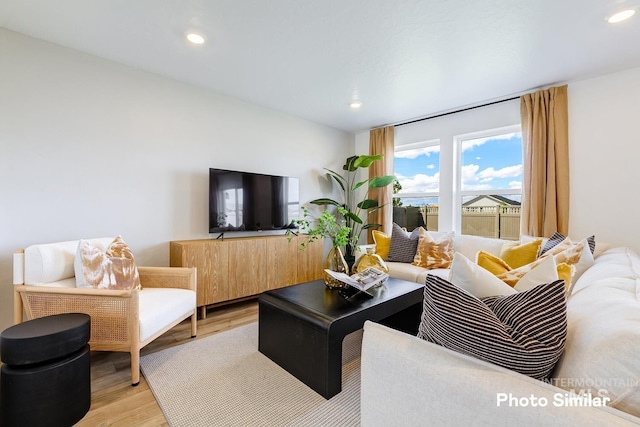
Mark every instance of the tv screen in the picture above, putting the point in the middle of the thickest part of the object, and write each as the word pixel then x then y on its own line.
pixel 245 201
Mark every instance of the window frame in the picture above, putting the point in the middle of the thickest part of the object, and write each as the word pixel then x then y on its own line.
pixel 458 193
pixel 413 146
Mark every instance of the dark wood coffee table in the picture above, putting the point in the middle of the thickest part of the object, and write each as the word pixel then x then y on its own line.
pixel 301 327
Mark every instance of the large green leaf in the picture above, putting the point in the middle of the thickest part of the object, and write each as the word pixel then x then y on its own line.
pixel 354 217
pixel 339 178
pixel 322 202
pixel 368 204
pixel 381 181
pixel 365 161
pixel 360 184
pixel 367 226
pixel 349 164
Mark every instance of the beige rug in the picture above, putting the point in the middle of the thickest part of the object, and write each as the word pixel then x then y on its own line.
pixel 223 380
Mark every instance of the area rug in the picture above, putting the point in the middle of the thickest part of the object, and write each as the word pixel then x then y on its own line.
pixel 222 380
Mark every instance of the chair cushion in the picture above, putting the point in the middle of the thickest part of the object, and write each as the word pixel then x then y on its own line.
pixel 53 262
pixel 160 307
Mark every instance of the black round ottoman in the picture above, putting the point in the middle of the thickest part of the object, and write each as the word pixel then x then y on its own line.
pixel 46 371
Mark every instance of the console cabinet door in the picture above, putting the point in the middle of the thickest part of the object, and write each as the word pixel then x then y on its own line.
pixel 282 261
pixel 310 261
pixel 211 258
pixel 247 267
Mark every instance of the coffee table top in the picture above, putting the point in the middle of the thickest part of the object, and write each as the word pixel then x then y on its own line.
pixel 327 304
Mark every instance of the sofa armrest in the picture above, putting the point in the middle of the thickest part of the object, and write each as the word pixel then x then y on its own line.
pixel 409 381
pixel 168 277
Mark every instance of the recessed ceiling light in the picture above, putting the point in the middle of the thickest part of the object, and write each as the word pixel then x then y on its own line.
pixel 195 38
pixel 621 16
pixel 355 104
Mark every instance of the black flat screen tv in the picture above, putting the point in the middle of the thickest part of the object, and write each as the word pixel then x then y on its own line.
pixel 246 201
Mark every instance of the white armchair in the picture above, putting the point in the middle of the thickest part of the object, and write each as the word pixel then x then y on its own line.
pixel 121 320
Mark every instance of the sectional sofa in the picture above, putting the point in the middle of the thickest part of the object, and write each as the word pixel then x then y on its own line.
pixel 407 380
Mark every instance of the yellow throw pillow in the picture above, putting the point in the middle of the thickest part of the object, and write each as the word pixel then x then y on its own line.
pixel 519 255
pixel 492 263
pixel 382 242
pixel 565 272
pixel 433 253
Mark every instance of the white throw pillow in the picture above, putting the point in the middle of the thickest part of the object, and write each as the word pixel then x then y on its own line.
pixel 469 246
pixel 476 280
pixel 545 272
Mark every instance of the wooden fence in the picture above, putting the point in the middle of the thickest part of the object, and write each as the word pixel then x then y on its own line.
pixel 486 221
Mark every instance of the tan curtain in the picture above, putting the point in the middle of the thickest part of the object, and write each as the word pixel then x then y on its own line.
pixel 545 143
pixel 381 142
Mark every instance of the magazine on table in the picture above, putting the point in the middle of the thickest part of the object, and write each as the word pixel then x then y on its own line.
pixel 362 280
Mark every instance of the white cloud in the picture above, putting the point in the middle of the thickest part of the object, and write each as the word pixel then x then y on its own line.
pixel 515 185
pixel 419 183
pixel 415 152
pixel 431 166
pixel 468 144
pixel 475 179
pixel 507 172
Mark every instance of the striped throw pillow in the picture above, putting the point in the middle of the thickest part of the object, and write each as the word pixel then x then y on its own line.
pixel 557 238
pixel 524 332
pixel 403 246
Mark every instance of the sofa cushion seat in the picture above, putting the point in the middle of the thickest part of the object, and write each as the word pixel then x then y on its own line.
pixel 162 306
pixel 413 273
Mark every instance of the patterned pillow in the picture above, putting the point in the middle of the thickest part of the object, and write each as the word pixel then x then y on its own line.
pixel 432 253
pixel 525 332
pixel 557 238
pixel 403 247
pixel 113 268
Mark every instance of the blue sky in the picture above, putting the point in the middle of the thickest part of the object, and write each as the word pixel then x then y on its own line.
pixel 487 163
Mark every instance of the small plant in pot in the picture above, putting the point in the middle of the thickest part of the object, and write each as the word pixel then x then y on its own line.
pixel 350 208
pixel 332 227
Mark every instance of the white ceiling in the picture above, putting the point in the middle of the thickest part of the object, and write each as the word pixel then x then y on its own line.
pixel 403 59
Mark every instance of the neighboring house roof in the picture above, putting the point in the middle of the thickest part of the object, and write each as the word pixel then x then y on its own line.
pixel 495 198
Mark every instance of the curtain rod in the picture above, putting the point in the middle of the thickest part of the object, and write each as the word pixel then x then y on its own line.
pixel 456 111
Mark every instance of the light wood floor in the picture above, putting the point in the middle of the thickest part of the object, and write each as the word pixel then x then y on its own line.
pixel 114 402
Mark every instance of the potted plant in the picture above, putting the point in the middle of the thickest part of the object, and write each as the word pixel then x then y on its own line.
pixel 349 207
pixel 331 227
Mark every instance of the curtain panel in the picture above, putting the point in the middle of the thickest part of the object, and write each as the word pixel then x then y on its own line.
pixel 381 142
pixel 545 144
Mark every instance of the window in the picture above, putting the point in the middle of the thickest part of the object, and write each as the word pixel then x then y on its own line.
pixel 417 189
pixel 489 183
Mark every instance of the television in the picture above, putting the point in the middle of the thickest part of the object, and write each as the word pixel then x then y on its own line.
pixel 246 201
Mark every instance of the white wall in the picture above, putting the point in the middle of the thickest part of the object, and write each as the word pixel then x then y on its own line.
pixel 92 148
pixel 604 150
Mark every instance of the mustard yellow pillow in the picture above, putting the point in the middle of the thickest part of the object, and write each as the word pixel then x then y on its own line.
pixel 565 272
pixel 433 253
pixel 382 242
pixel 519 255
pixel 492 263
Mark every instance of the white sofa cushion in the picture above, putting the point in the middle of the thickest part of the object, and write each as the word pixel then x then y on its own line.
pixel 53 262
pixel 469 246
pixel 603 338
pixel 160 307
